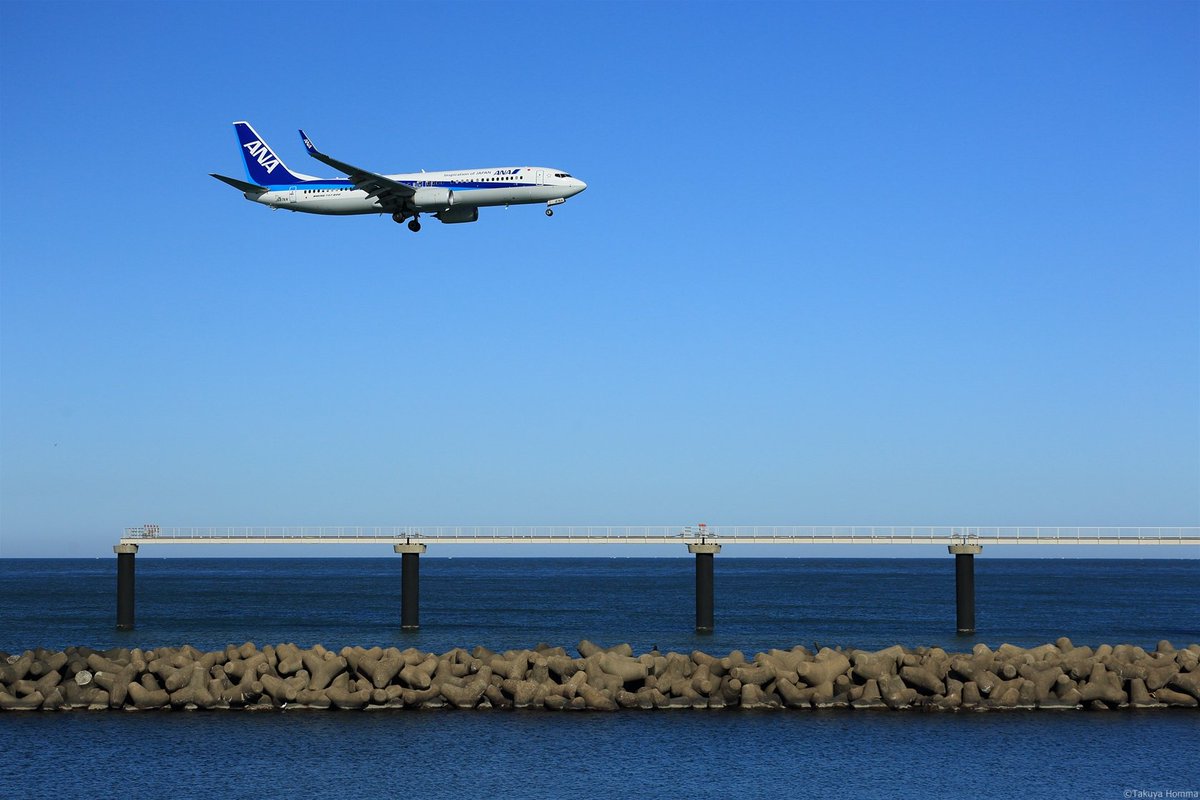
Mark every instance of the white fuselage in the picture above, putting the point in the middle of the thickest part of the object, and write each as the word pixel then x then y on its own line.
pixel 469 188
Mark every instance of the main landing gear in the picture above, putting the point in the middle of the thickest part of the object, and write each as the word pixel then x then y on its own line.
pixel 414 225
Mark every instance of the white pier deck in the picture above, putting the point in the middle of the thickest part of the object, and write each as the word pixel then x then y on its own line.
pixel 671 534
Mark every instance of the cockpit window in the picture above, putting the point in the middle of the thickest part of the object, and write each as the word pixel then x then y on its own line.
pixel 561 175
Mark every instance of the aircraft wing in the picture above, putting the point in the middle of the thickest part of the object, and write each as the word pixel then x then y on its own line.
pixel 391 193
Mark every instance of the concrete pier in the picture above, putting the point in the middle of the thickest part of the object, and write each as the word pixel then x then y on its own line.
pixel 704 584
pixel 410 585
pixel 964 584
pixel 125 584
pixel 964 544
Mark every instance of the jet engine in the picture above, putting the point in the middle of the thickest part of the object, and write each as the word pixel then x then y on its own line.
pixel 430 198
pixel 460 214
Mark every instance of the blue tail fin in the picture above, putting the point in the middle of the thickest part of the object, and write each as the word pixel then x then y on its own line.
pixel 263 167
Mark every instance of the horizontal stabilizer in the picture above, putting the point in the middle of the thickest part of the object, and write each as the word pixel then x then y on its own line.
pixel 240 185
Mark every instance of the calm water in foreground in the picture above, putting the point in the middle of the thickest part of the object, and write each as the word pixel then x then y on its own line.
pixel 503 603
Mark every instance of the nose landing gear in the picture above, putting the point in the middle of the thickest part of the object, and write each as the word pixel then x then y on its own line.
pixel 549 212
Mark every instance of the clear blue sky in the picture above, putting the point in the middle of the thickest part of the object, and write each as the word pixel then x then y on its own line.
pixel 837 263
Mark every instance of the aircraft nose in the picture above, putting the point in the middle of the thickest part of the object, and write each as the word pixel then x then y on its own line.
pixel 579 185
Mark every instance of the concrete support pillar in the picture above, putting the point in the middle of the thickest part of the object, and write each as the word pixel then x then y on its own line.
pixel 410 585
pixel 704 584
pixel 125 584
pixel 964 584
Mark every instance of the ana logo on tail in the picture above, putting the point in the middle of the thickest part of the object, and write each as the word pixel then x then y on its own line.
pixel 266 159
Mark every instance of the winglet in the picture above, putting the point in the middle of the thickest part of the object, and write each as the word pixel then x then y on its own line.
pixel 308 145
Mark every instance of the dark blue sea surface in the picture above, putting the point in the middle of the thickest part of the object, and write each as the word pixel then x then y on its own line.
pixel 674 754
pixel 507 603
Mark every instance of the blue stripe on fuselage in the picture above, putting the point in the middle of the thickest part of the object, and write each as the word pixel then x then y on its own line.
pixel 335 184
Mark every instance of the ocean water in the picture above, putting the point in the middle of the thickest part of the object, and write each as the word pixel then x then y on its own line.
pixel 507 603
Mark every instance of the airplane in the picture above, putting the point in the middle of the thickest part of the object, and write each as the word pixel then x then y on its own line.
pixel 451 196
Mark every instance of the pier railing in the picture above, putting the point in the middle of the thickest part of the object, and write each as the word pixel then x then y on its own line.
pixel 670 534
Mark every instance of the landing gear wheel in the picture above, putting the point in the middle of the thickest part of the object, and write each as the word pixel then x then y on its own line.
pixel 398 218
pixel 414 226
pixel 549 212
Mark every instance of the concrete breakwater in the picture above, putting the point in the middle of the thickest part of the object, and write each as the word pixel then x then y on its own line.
pixel 1058 675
